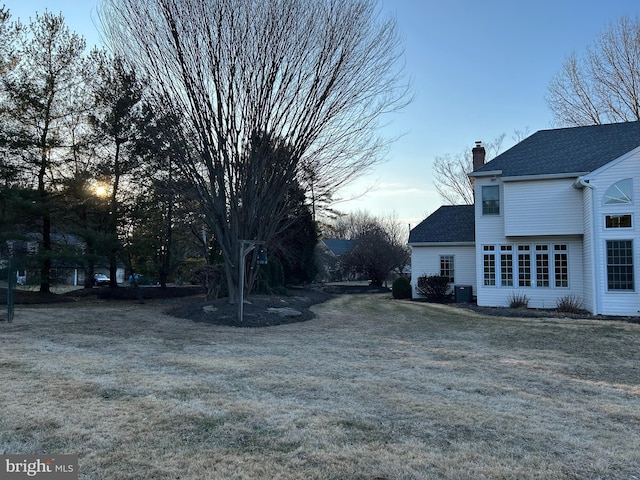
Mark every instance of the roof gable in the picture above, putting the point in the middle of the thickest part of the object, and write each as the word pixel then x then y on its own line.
pixel 450 223
pixel 338 246
pixel 578 150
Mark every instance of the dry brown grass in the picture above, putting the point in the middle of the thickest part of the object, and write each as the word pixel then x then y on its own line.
pixel 370 389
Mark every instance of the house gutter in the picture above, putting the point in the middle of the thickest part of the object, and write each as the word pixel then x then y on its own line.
pixel 442 244
pixel 580 181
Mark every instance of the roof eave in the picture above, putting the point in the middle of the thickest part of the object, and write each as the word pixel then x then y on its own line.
pixel 488 173
pixel 442 244
pixel 552 176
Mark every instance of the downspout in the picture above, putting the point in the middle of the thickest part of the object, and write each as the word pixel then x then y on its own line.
pixel 596 247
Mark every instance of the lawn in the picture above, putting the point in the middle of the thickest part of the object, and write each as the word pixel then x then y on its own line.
pixel 372 388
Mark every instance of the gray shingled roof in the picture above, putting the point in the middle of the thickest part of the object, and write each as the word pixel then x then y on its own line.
pixel 338 246
pixel 450 223
pixel 566 150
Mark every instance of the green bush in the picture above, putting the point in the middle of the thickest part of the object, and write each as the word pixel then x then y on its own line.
pixel 569 304
pixel 433 287
pixel 518 300
pixel 401 288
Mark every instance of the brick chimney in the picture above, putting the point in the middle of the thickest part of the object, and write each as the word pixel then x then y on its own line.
pixel 478 153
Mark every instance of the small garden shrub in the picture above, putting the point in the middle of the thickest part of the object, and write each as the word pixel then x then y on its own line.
pixel 434 287
pixel 569 304
pixel 518 300
pixel 401 288
pixel 212 278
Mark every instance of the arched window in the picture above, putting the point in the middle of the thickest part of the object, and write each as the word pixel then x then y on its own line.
pixel 619 192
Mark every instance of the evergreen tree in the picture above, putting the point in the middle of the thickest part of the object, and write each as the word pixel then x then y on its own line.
pixel 41 88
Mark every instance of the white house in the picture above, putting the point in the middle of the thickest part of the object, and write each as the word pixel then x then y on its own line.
pixel 554 216
pixel 444 244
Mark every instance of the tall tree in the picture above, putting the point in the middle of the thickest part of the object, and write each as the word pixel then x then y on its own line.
pixel 41 91
pixel 117 100
pixel 295 244
pixel 166 209
pixel 603 86
pixel 270 92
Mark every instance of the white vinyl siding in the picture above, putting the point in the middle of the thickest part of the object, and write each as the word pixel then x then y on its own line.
pixel 558 276
pixel 542 207
pixel 490 231
pixel 613 301
pixel 426 260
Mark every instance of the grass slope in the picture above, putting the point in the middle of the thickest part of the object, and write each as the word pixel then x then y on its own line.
pixel 371 388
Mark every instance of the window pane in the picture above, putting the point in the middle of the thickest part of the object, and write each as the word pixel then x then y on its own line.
pixel 619 192
pixel 446 267
pixel 561 265
pixel 491 200
pixel 620 265
pixel 489 270
pixel 524 266
pixel 618 221
pixel 542 266
pixel 506 269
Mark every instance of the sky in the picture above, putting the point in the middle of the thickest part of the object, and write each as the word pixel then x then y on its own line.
pixel 478 69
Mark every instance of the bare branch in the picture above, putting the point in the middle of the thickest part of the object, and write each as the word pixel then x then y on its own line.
pixel 605 86
pixel 309 77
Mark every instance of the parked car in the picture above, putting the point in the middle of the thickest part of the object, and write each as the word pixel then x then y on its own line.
pixel 100 280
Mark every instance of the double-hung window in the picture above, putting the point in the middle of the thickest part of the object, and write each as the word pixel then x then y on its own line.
pixel 561 265
pixel 489 260
pixel 446 267
pixel 506 265
pixel 524 265
pixel 491 200
pixel 542 265
pixel 620 265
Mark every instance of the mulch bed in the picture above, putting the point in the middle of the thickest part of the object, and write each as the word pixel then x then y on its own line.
pixel 541 313
pixel 255 309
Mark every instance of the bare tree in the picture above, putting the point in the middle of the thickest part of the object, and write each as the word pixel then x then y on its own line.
pixel 270 91
pixel 604 86
pixel 379 245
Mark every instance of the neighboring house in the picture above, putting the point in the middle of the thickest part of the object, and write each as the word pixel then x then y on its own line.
pixel 330 251
pixel 67 264
pixel 556 215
